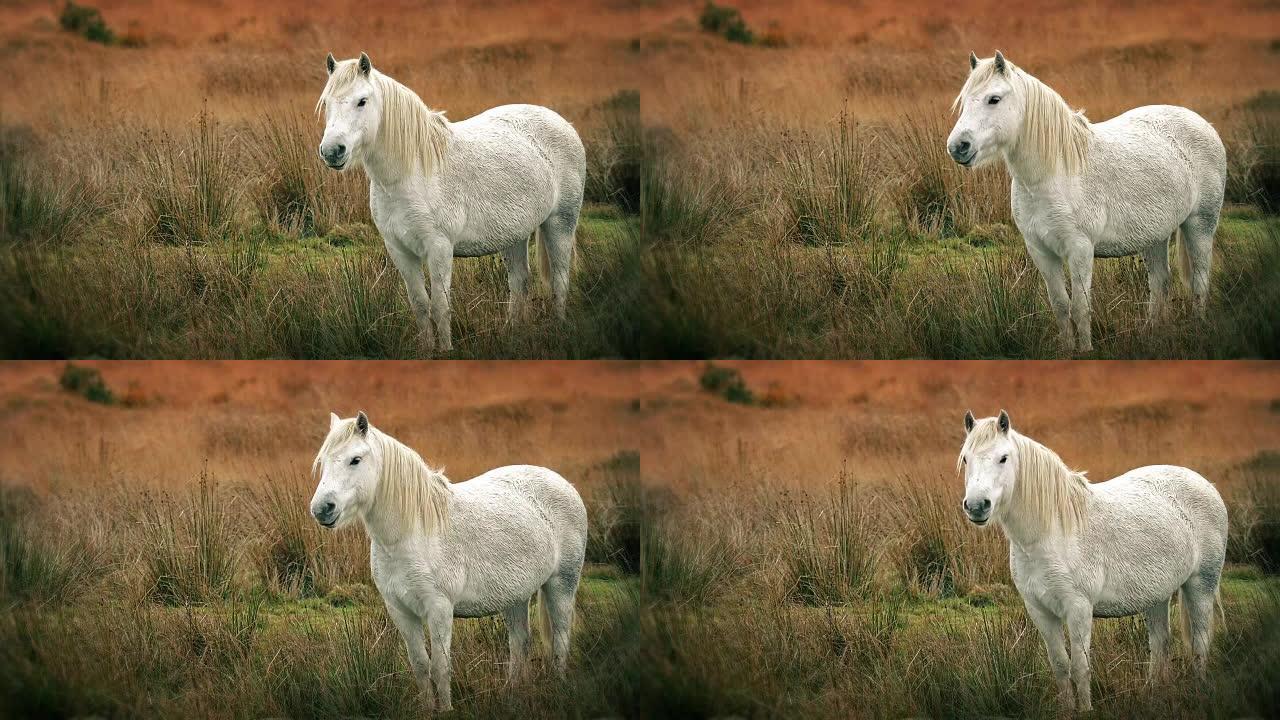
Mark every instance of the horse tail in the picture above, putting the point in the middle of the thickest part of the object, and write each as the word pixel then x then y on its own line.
pixel 1184 260
pixel 544 619
pixel 544 258
pixel 1222 612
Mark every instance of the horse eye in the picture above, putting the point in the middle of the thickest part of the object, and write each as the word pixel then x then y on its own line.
pixel 361 103
pixel 356 460
pixel 994 99
pixel 1003 458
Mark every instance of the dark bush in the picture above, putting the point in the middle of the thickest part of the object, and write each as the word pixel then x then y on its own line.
pixel 614 153
pixel 88 382
pixel 726 382
pixel 86 21
pixel 727 22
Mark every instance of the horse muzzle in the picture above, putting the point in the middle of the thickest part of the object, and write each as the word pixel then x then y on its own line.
pixel 325 514
pixel 335 156
pixel 963 152
pixel 978 511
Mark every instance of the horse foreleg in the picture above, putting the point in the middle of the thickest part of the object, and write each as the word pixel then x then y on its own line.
pixel 440 266
pixel 1080 261
pixel 517 619
pixel 1050 627
pixel 1055 281
pixel 440 626
pixel 415 283
pixel 410 627
pixel 1080 627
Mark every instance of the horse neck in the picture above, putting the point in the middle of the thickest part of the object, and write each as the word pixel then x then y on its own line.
pixel 383 167
pixel 1027 167
pixel 385 524
pixel 1022 521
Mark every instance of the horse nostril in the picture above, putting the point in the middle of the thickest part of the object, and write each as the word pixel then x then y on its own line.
pixel 342 150
pixel 962 147
pixel 328 508
pixel 986 504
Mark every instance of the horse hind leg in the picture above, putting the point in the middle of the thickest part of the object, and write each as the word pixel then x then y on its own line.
pixel 557 238
pixel 1158 640
pixel 556 606
pixel 1156 258
pixel 517 620
pixel 516 259
pixel 1197 256
pixel 1197 598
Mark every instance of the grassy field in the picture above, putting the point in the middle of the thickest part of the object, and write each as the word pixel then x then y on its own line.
pixel 768 539
pixel 164 197
pixel 799 201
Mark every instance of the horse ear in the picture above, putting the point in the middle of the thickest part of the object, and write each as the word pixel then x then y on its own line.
pixel 330 63
pixel 334 420
pixel 969 422
pixel 1000 63
pixel 365 64
pixel 1003 422
pixel 362 423
pixel 973 61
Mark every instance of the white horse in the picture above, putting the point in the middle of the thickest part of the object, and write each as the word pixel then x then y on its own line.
pixel 470 549
pixel 1080 550
pixel 439 190
pixel 1083 190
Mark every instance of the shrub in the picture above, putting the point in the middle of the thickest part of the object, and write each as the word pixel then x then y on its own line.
pixel 726 382
pixel 189 556
pixel 683 203
pixel 685 562
pixel 616 510
pixel 86 381
pixel 831 554
pixel 86 21
pixel 39 566
pixel 190 186
pixel 615 154
pixel 829 185
pixel 727 22
pixel 1254 513
pixel 33 206
pixel 937 555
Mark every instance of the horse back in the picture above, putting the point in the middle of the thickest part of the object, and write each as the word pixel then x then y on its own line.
pixel 537 491
pixel 1166 504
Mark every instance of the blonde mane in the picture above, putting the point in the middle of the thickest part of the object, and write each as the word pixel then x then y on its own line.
pixel 1053 135
pixel 415 494
pixel 1046 493
pixel 411 136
